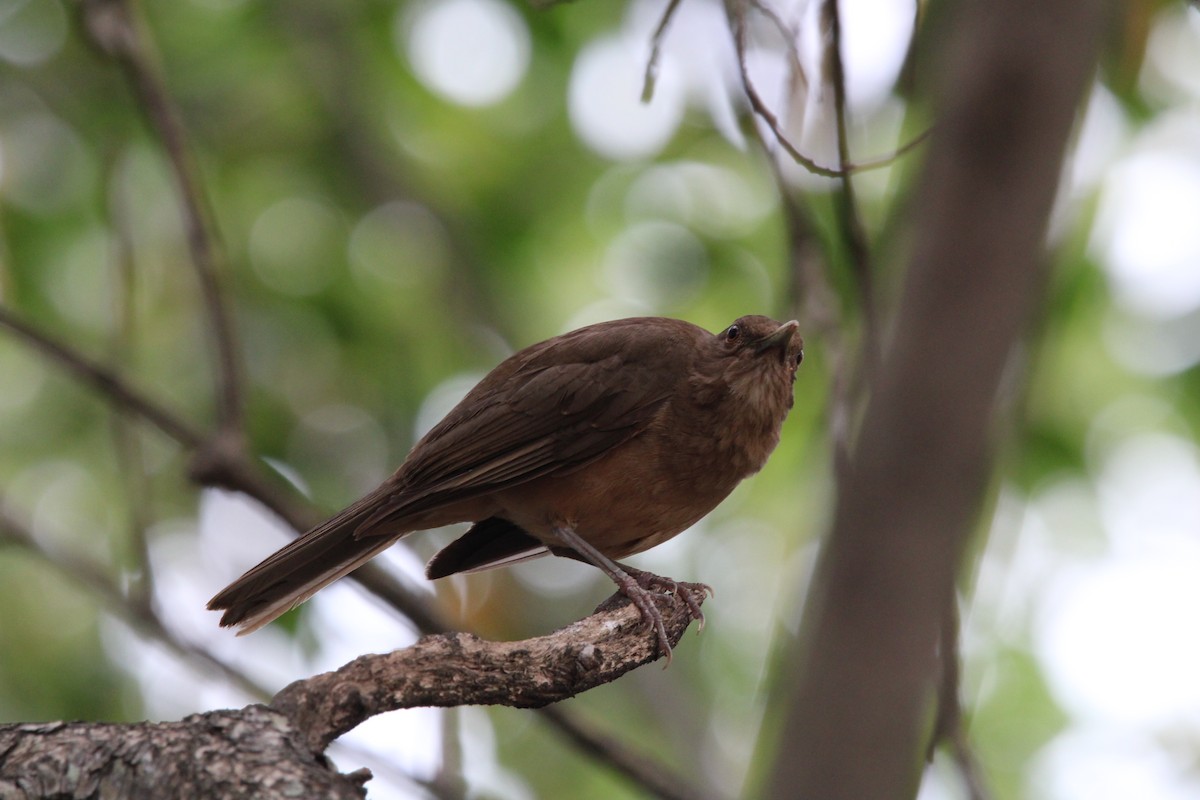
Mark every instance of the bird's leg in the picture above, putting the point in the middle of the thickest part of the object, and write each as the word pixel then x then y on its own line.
pixel 682 589
pixel 627 584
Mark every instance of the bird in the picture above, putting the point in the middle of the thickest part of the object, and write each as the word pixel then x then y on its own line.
pixel 593 445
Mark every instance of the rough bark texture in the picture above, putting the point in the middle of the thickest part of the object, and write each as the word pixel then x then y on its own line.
pixel 251 752
pixel 1010 83
pixel 275 752
pixel 461 669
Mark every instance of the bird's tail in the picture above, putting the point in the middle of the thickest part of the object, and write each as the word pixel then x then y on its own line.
pixel 299 570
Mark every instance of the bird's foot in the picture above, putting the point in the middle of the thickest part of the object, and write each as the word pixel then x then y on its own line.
pixel 629 588
pixel 686 591
pixel 639 587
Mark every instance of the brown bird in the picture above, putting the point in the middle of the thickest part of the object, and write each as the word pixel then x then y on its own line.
pixel 593 445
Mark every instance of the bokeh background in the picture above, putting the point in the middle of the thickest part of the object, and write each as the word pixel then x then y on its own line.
pixel 406 192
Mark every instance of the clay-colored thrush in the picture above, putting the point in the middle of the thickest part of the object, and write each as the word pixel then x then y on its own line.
pixel 594 445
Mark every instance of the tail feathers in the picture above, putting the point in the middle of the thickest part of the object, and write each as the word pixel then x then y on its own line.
pixel 298 571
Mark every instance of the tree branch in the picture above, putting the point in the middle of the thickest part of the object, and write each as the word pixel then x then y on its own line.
pixel 138 611
pixel 113 28
pixel 455 669
pixel 248 753
pixel 276 751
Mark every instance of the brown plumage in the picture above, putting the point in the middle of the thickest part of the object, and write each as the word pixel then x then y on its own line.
pixel 595 445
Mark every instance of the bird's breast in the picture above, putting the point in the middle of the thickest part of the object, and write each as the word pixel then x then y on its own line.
pixel 637 496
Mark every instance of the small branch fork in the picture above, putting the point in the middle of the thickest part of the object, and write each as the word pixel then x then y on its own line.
pixel 736 11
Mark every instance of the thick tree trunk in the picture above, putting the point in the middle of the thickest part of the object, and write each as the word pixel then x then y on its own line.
pixel 1011 79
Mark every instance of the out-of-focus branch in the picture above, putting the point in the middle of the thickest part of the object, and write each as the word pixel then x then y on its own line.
pixel 1012 77
pixel 736 11
pixel 650 77
pixel 140 614
pixel 219 463
pixel 108 383
pixel 112 26
pixel 635 766
pixel 854 234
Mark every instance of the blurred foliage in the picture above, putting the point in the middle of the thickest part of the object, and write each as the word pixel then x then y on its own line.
pixel 386 245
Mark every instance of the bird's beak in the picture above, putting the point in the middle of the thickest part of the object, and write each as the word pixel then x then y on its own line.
pixel 780 338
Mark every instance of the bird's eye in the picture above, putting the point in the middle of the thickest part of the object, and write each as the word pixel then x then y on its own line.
pixel 732 333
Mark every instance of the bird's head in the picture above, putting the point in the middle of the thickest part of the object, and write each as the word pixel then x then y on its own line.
pixel 761 357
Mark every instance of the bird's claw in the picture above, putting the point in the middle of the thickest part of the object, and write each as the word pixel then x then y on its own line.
pixel 638 588
pixel 684 590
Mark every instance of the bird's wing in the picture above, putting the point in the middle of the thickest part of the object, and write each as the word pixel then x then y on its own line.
pixel 548 410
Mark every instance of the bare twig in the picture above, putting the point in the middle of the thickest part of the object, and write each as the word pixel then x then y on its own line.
pixel 948 726
pixel 113 28
pixel 853 231
pixel 736 13
pixel 660 31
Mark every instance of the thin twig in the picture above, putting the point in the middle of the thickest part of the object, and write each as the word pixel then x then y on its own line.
pixel 113 28
pixel 660 31
pixel 853 231
pixel 736 13
pixel 786 32
pixel 878 162
pixel 948 725
pixel 850 386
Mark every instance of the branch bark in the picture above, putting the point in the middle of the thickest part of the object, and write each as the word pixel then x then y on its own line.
pixel 251 752
pixel 275 751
